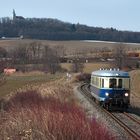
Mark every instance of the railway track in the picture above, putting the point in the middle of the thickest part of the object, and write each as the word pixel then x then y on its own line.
pixel 125 120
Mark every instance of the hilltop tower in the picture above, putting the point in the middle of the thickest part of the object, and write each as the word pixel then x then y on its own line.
pixel 17 18
pixel 14 15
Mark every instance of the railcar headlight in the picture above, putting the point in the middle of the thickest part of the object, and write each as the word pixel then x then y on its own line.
pixel 126 94
pixel 106 94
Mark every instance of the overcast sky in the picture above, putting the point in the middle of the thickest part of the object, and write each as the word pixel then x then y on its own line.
pixel 119 14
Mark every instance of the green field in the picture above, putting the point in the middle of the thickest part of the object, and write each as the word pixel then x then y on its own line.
pixel 20 80
pixel 17 81
pixel 88 67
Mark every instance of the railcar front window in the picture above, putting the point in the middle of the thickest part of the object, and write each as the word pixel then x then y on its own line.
pixel 119 83
pixel 112 83
pixel 126 83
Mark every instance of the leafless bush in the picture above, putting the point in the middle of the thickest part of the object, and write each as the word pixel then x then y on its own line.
pixel 29 115
pixel 120 56
pixel 85 77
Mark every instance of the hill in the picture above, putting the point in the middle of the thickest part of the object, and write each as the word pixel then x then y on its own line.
pixel 54 29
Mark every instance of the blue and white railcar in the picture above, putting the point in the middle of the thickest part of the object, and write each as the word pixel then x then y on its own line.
pixel 111 87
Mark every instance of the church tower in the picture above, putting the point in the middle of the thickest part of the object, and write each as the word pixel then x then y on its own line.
pixel 14 15
pixel 17 18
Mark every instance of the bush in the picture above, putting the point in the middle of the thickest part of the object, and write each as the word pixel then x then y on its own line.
pixel 85 77
pixel 28 115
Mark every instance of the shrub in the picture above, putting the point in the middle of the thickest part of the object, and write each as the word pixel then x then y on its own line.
pixel 28 115
pixel 85 77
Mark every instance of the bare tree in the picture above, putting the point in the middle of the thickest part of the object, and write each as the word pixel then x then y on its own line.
pixel 2 65
pixel 20 54
pixel 3 52
pixel 51 60
pixel 60 50
pixel 35 51
pixel 120 55
pixel 2 75
pixel 77 65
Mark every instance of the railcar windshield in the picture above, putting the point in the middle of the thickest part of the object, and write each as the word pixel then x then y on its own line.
pixel 112 83
pixel 119 83
pixel 126 83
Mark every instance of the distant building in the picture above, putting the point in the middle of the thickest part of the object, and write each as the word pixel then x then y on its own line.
pixel 9 71
pixel 17 18
pixel 134 54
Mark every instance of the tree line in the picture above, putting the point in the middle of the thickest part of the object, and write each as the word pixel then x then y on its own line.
pixel 54 29
pixel 36 56
pixel 33 56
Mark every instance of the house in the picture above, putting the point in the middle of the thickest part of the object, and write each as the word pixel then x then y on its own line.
pixel 8 71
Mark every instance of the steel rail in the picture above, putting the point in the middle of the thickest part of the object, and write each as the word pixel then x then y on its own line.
pixel 132 118
pixel 124 126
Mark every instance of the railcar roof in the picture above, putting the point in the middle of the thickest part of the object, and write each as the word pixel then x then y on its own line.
pixel 110 73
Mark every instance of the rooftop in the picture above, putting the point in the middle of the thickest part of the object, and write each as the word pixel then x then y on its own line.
pixel 111 73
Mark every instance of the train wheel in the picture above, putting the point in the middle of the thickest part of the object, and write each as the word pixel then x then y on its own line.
pixel 108 107
pixel 101 104
pixel 125 108
pixel 97 102
pixel 93 99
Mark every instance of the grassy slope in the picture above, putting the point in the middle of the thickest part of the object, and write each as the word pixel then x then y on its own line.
pixel 89 67
pixel 135 88
pixel 20 80
pixel 49 115
pixel 17 81
pixel 135 80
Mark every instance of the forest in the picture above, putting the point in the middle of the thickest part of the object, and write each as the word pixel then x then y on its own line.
pixel 54 29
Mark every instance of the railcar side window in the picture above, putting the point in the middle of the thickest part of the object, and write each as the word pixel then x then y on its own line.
pixel 98 81
pixel 119 83
pixel 102 83
pixel 112 83
pixel 94 80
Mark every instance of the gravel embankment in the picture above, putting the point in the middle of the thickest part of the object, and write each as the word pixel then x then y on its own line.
pixel 94 112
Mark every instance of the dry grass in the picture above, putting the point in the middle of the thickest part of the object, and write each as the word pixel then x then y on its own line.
pixel 66 66
pixel 32 73
pixel 50 115
pixel 135 88
pixel 88 67
pixel 70 46
pixel 49 88
pixel 22 80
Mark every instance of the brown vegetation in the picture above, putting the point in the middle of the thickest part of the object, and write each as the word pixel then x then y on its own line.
pixel 70 46
pixel 27 55
pixel 135 88
pixel 83 77
pixel 53 114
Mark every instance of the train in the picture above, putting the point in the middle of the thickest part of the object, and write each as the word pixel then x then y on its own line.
pixel 111 88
